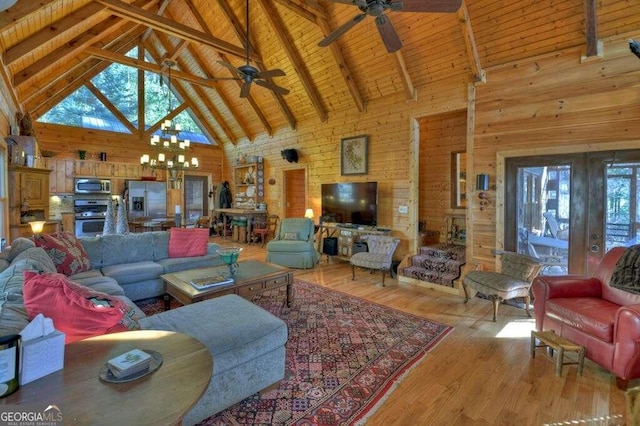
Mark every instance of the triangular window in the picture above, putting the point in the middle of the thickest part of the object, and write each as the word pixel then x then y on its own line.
pixel 118 84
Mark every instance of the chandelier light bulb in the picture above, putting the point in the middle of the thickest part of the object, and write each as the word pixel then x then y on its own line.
pixel 174 139
pixel 170 163
pixel 161 157
pixel 181 158
pixel 187 143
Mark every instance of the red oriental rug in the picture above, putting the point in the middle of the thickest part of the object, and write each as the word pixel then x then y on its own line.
pixel 344 356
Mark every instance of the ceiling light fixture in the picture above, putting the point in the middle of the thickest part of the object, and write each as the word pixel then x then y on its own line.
pixel 169 151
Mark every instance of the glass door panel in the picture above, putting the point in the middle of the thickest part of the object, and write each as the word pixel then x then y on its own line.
pixel 621 226
pixel 544 201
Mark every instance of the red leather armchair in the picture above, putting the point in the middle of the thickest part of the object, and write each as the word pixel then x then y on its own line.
pixel 588 312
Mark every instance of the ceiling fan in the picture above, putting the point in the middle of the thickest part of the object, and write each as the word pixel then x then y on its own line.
pixel 377 8
pixel 249 74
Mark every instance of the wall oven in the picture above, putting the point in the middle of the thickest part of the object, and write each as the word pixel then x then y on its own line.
pixel 90 216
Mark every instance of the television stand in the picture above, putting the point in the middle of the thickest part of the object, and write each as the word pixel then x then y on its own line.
pixel 346 237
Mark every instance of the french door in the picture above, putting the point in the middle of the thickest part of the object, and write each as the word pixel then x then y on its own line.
pixel 569 209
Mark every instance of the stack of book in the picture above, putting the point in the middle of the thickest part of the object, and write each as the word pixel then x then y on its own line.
pixel 129 363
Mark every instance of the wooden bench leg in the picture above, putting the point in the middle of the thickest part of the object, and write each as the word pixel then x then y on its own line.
pixel 496 303
pixel 527 300
pixel 559 361
pixel 580 360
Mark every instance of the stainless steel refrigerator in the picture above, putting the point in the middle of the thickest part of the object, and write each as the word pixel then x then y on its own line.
pixel 147 199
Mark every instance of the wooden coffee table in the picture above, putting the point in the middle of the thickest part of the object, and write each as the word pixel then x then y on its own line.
pixel 163 397
pixel 252 277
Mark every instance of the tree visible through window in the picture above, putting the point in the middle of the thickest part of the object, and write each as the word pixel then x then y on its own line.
pixel 119 85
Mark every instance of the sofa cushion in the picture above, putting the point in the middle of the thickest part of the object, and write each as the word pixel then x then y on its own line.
pixel 65 250
pixel 126 273
pixel 98 282
pixel 595 317
pixel 243 331
pixel 93 247
pixel 13 316
pixel 18 246
pixel 160 244
pixel 176 264
pixel 77 311
pixel 188 242
pixel 127 248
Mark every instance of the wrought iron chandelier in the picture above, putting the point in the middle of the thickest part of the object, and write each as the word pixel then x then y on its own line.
pixel 169 152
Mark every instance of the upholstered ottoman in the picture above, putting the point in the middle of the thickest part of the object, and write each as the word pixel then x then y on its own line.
pixel 247 344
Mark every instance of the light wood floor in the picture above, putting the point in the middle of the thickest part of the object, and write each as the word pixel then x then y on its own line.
pixel 474 377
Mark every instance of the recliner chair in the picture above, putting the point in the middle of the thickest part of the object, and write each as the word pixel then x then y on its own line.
pixel 293 246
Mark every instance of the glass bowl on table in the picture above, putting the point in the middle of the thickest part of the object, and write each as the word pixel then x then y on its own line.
pixel 229 256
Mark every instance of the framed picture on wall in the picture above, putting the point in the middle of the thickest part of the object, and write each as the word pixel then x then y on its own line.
pixel 353 155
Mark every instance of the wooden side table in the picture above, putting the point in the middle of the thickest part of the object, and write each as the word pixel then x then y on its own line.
pixel 162 397
pixel 554 342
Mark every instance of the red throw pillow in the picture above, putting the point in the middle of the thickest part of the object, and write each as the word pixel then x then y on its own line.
pixel 187 242
pixel 76 310
pixel 65 250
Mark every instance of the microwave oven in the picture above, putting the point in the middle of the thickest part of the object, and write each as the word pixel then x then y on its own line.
pixel 92 186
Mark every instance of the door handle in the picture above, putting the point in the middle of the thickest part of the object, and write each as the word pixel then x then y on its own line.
pixel 594 248
pixel 595 236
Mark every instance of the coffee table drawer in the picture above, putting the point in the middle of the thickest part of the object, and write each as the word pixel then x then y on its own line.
pixel 276 282
pixel 249 290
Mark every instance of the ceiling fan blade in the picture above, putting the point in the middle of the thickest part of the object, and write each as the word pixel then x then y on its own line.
pixel 356 2
pixel 244 90
pixel 270 73
pixel 333 36
pixel 271 86
pixel 231 67
pixel 388 33
pixel 434 6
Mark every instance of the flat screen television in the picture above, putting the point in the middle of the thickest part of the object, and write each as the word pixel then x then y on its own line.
pixel 353 203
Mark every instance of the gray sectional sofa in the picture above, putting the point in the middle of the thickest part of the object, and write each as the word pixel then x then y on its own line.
pixel 247 343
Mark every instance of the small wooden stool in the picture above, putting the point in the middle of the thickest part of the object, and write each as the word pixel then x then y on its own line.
pixel 551 340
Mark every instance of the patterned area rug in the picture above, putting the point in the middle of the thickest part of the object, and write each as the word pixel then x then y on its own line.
pixel 344 355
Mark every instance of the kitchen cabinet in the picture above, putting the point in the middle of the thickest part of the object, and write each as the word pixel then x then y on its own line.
pixel 28 196
pixel 69 222
pixel 62 174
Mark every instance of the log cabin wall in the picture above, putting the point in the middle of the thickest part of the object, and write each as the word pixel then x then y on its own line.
pixel 389 124
pixel 550 105
pixel 440 136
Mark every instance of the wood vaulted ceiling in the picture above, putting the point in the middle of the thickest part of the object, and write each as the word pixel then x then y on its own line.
pixel 52 47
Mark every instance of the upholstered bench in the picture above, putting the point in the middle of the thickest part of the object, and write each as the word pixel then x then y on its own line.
pixel 247 344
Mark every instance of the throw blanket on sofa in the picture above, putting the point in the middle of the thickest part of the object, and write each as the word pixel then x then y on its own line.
pixel 626 273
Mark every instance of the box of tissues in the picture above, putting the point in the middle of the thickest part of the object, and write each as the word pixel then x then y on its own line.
pixel 42 350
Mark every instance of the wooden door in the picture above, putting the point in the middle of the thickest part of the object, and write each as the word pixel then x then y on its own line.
pixel 295 188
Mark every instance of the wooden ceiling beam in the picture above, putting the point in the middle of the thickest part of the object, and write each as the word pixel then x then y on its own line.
pixel 147 66
pixel 287 44
pixel 237 28
pixel 160 11
pixel 110 106
pixel 302 9
pixel 57 87
pixel 407 83
pixel 170 27
pixel 591 27
pixel 345 71
pixel 99 35
pixel 470 41
pixel 21 10
pixel 50 32
pixel 164 42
